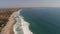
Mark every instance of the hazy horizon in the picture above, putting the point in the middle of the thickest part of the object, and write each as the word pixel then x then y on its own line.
pixel 29 3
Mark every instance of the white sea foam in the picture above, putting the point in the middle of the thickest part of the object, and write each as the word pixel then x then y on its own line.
pixel 21 26
pixel 25 26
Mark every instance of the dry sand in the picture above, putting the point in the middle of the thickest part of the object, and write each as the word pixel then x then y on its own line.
pixel 8 29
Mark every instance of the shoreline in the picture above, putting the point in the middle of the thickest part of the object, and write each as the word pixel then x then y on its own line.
pixel 8 28
pixel 24 26
pixel 17 25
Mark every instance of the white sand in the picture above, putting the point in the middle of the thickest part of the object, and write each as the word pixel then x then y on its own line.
pixel 23 25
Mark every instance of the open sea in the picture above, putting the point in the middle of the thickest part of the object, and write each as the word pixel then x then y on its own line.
pixel 44 20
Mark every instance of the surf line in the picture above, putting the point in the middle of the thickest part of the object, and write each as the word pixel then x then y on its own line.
pixel 21 26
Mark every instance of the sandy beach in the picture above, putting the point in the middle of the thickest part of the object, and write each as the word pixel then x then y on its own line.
pixel 23 25
pixel 8 29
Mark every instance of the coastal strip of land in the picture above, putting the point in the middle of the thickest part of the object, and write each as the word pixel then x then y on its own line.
pixel 8 28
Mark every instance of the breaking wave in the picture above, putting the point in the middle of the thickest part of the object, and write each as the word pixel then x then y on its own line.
pixel 21 26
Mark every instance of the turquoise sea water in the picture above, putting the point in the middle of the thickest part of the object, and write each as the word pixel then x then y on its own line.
pixel 43 20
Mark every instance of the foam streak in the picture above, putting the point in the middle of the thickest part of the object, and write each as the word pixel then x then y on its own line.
pixel 21 26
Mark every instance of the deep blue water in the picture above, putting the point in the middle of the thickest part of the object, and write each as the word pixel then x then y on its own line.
pixel 43 20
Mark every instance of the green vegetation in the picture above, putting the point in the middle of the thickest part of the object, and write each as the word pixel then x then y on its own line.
pixel 3 23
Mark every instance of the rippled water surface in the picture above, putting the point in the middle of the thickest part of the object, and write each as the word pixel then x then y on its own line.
pixel 43 20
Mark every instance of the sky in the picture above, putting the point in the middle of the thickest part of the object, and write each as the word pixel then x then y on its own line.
pixel 29 3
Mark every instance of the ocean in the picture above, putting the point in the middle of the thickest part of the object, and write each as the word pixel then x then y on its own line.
pixel 44 20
